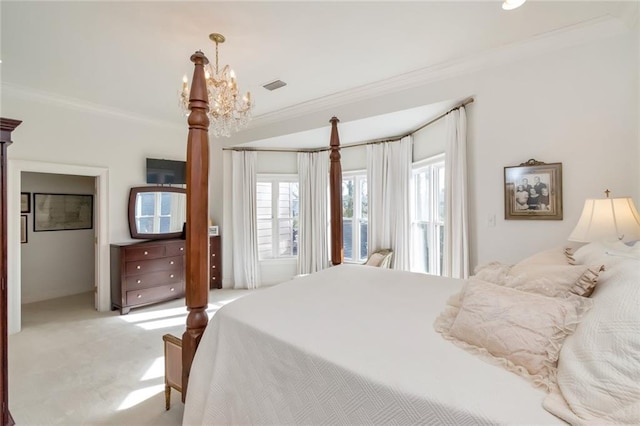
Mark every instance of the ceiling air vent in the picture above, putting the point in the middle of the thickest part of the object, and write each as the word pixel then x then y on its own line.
pixel 275 85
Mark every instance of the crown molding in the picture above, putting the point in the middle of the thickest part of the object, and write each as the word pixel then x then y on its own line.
pixel 27 93
pixel 574 35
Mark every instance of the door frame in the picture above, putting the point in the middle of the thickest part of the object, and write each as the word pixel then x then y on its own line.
pixel 101 245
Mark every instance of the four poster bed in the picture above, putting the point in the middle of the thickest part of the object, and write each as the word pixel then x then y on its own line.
pixel 355 344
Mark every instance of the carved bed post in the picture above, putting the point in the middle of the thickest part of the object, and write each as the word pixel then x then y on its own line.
pixel 197 256
pixel 335 195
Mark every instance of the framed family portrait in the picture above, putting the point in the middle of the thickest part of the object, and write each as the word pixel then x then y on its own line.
pixel 25 202
pixel 533 190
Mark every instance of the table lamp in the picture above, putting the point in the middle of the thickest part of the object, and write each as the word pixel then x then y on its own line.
pixel 607 219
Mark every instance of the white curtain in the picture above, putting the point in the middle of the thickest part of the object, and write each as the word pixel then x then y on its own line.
pixel 245 235
pixel 313 178
pixel 388 178
pixel 456 242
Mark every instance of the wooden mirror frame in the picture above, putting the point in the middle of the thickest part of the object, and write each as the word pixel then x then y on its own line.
pixel 132 212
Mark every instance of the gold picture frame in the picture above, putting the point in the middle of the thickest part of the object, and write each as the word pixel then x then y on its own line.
pixel 533 191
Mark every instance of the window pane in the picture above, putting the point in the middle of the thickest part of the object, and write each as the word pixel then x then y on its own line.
pixel 263 200
pixel 420 247
pixel 265 246
pixel 363 240
pixel 441 194
pixel 347 197
pixel 347 235
pixel 364 200
pixel 165 224
pixel 287 199
pixel 165 204
pixel 285 239
pixel 422 195
pixel 441 245
pixel 145 225
pixel 148 204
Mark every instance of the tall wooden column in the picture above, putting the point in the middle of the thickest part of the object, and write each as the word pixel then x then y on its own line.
pixel 7 126
pixel 335 195
pixel 197 256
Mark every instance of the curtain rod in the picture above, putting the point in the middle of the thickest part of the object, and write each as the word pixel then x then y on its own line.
pixel 352 145
pixel 422 126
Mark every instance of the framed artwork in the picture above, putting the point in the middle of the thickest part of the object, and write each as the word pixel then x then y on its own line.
pixel 25 202
pixel 61 212
pixel 23 228
pixel 533 190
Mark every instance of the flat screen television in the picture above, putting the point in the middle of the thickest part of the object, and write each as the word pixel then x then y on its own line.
pixel 166 172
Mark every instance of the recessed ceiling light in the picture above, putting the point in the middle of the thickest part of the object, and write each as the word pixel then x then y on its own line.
pixel 275 85
pixel 512 4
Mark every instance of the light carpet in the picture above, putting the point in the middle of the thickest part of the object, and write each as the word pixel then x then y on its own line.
pixel 72 365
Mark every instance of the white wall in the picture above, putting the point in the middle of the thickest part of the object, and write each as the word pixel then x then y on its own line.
pixel 61 133
pixel 56 263
pixel 577 106
pixel 62 136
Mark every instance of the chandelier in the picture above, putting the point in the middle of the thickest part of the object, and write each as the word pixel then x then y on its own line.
pixel 228 112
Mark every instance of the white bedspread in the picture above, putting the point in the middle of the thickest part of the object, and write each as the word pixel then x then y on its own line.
pixel 349 345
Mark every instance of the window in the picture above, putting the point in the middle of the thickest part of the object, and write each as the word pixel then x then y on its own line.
pixel 277 213
pixel 355 204
pixel 427 221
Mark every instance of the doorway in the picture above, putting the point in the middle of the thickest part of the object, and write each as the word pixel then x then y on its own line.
pixel 101 247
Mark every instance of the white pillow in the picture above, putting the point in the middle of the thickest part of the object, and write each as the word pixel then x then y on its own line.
pixel 598 372
pixel 599 253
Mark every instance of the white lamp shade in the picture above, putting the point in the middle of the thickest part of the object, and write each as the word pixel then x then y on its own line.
pixel 607 219
pixel 512 4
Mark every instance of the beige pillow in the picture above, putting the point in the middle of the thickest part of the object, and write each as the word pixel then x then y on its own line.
pixel 375 259
pixel 554 256
pixel 554 280
pixel 522 332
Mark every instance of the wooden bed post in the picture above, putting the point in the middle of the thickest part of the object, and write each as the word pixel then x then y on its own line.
pixel 197 256
pixel 335 195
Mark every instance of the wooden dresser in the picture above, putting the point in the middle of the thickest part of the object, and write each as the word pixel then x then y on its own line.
pixel 146 272
pixel 215 262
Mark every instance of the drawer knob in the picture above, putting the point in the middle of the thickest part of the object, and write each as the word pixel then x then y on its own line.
pixel 171 276
pixel 171 263
pixel 139 296
pixel 173 289
pixel 138 267
pixel 139 281
pixel 213 278
pixel 181 248
pixel 213 267
pixel 213 255
pixel 146 253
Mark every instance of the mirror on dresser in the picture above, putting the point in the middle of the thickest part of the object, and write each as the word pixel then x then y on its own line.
pixel 157 212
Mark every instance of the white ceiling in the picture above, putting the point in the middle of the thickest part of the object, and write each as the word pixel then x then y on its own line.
pixel 129 57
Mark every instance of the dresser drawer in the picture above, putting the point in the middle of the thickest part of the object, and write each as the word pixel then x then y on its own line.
pixel 146 295
pixel 145 266
pixel 135 282
pixel 215 281
pixel 176 249
pixel 140 253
